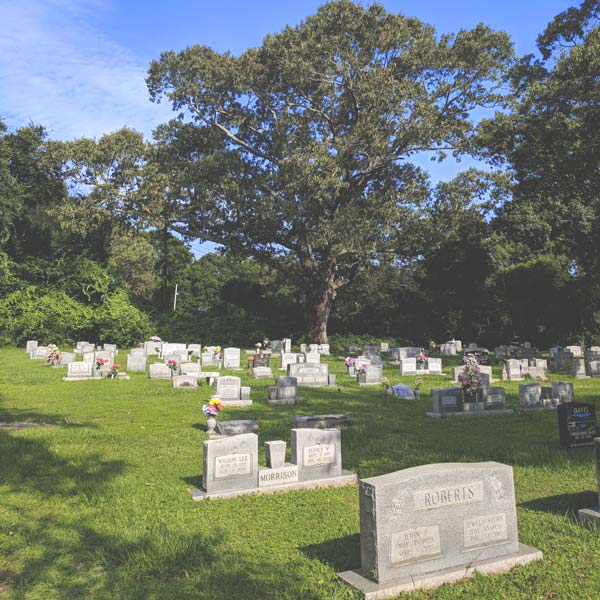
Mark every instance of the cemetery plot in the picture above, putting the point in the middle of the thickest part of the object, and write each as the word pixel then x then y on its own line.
pixel 231 464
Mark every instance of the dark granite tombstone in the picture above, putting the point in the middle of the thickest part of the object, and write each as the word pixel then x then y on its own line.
pixel 576 424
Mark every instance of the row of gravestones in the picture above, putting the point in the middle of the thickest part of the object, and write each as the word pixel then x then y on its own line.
pixel 419 527
pixel 492 400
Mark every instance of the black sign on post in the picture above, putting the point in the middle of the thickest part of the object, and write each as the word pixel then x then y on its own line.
pixel 576 424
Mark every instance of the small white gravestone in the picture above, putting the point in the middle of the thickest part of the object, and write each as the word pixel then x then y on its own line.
pixel 136 363
pixel 231 358
pixel 160 371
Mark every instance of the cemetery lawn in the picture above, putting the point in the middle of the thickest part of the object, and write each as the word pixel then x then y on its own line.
pixel 94 501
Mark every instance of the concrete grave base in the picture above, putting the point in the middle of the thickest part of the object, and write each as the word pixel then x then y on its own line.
pixel 236 402
pixel 590 517
pixel 472 413
pixel 347 478
pixel 379 591
pixel 82 378
pixel 296 400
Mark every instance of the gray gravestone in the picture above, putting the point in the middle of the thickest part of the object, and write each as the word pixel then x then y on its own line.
pixel 578 368
pixel 408 366
pixel 287 358
pixel 310 374
pixel 317 452
pixel 31 346
pixel 530 395
pixel 190 368
pixel 563 391
pixel 492 398
pixel 231 358
pixel 160 371
pixel 262 372
pixel 275 454
pixel 80 370
pixel 447 400
pixel 67 358
pixel 285 391
pixel 230 463
pixel 136 363
pixel 372 375
pixel 236 427
pixel 435 523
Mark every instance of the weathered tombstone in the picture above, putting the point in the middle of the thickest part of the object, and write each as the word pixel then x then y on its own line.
pixel 287 345
pixel 303 349
pixel 287 358
pixel 578 368
pixel 530 396
pixel 594 368
pixel 160 371
pixel 540 363
pixel 403 391
pixel 152 348
pixel 66 358
pixel 408 366
pixel 31 346
pixel 260 360
pixel 231 393
pixel 434 366
pixel 492 398
pixel 446 400
pixel 185 381
pixel 372 375
pixel 537 373
pixel 576 424
pixel 285 391
pixel 323 349
pixel 209 359
pixel 231 358
pixel 136 363
pixel 190 368
pixel 230 463
pixel 276 345
pixel 310 374
pixel 428 525
pixel 111 348
pixel 262 372
pixel 317 452
pixel 86 348
pixel 591 516
pixel 39 353
pixel 79 370
pixel 312 357
pixel 447 349
pixel 563 390
pixel 561 362
pixel 514 369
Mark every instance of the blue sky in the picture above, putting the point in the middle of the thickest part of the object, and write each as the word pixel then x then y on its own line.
pixel 78 66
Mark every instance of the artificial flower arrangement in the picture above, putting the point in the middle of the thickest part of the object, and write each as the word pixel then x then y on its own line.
pixel 421 360
pixel 469 378
pixel 113 371
pixel 349 361
pixel 172 364
pixel 100 362
pixel 213 407
pixel 52 355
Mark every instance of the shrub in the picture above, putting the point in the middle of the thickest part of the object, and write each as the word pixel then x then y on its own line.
pixel 120 322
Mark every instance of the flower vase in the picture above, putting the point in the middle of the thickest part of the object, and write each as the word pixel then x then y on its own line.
pixel 211 423
pixel 361 377
pixel 351 371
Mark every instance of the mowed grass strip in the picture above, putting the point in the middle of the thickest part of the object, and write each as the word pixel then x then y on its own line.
pixel 94 501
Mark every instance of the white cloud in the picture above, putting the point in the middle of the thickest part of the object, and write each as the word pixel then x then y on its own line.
pixel 58 70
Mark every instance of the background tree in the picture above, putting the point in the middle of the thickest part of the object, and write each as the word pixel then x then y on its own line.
pixel 300 148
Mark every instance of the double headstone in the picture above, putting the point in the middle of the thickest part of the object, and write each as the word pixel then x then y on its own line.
pixel 311 374
pixel 432 524
pixel 231 393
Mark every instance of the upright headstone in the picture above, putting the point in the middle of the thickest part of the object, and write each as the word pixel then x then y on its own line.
pixel 287 358
pixel 447 400
pixel 317 452
pixel 563 390
pixel 231 358
pixel 578 368
pixel 434 366
pixel 136 363
pixel 285 391
pixel 230 463
pixel 230 391
pixel 31 346
pixel 287 345
pixel 79 370
pixel 262 372
pixel 591 516
pixel 160 371
pixel 408 366
pixel 66 358
pixel 576 424
pixel 372 375
pixel 530 396
pixel 310 374
pixel 312 357
pixel 436 523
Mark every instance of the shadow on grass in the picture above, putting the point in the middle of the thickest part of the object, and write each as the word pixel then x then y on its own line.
pixel 563 504
pixel 16 415
pixel 341 554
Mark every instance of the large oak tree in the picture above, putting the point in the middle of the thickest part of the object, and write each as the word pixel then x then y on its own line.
pixel 298 152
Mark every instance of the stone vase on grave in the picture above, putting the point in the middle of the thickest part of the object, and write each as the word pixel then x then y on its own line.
pixel 211 423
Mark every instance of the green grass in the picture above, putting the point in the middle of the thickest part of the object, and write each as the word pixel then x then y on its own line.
pixel 95 503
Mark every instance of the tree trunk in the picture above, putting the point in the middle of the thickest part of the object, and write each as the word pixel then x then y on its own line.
pixel 317 308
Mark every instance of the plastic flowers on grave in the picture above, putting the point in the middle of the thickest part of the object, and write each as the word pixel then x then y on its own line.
pixel 172 364
pixel 52 355
pixel 349 361
pixel 213 407
pixel 114 370
pixel 469 378
pixel 362 369
pixel 421 359
pixel 217 349
pixel 100 362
